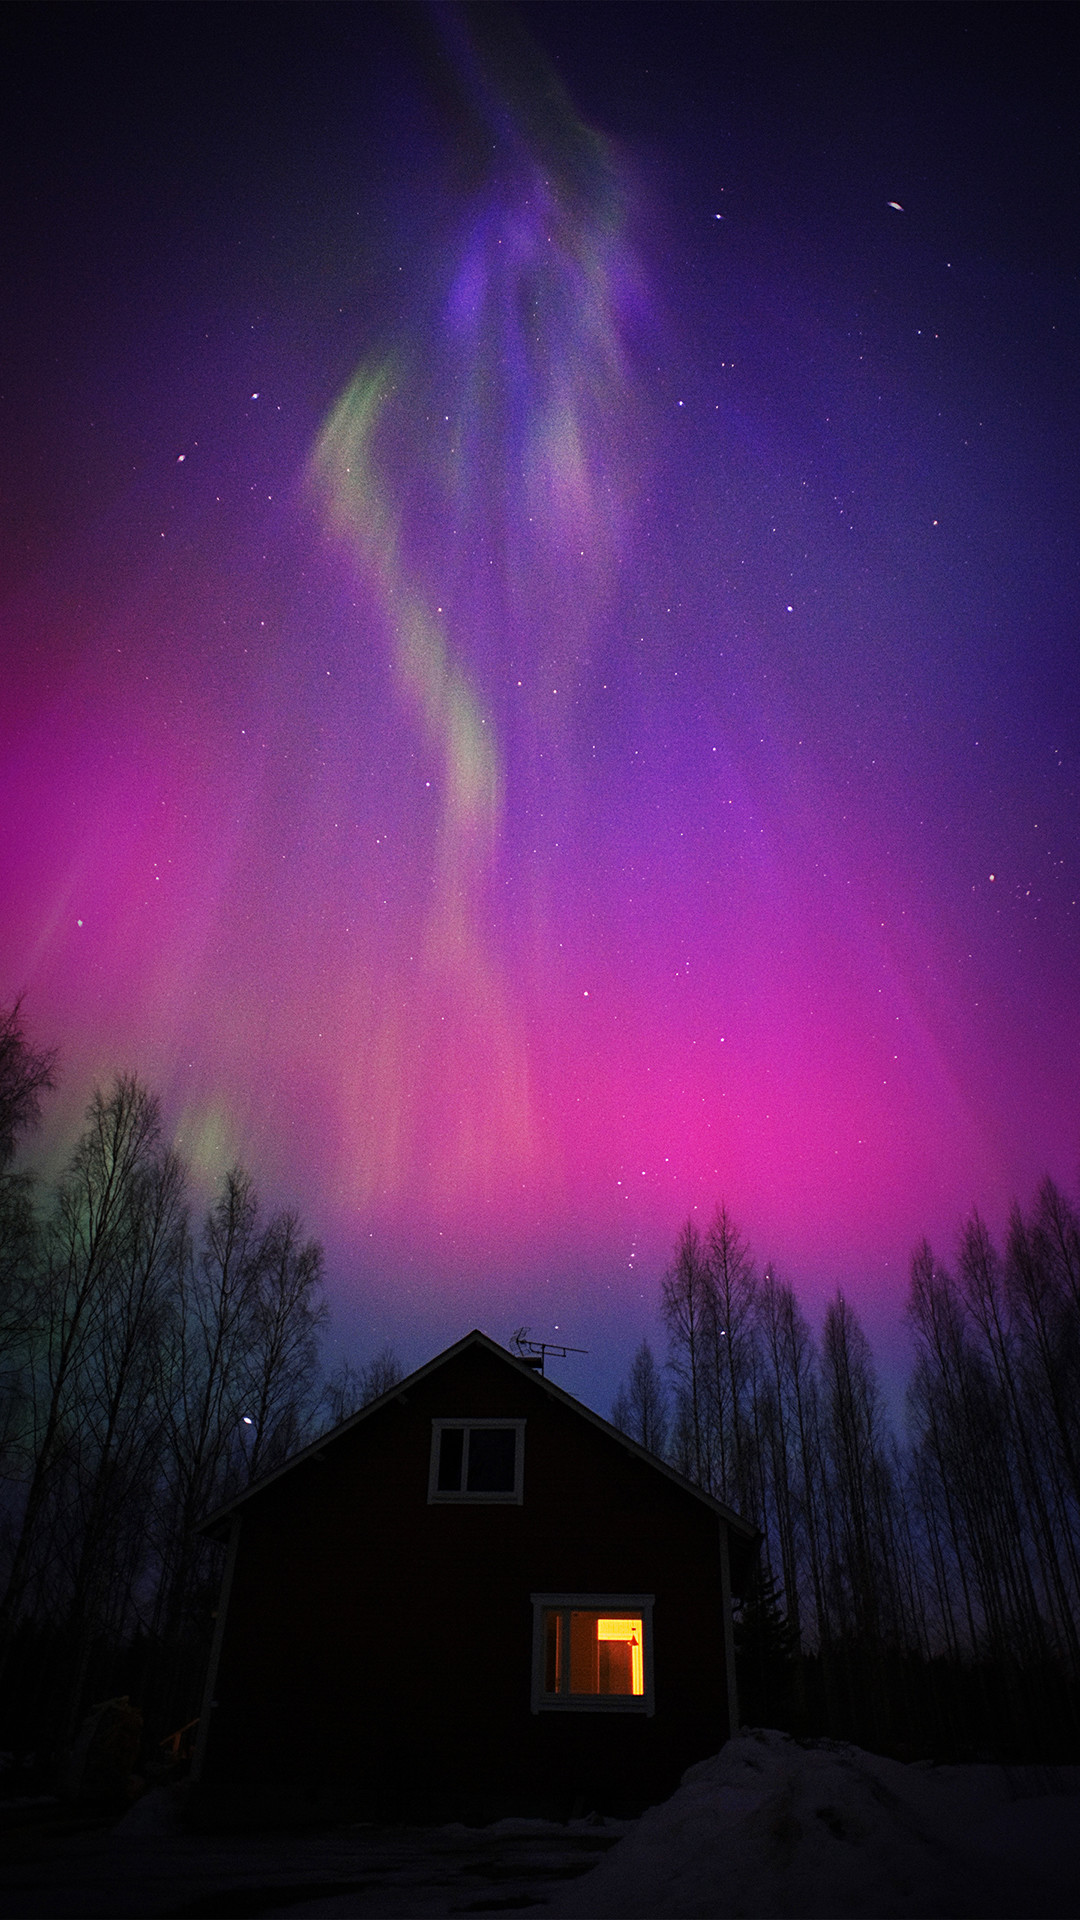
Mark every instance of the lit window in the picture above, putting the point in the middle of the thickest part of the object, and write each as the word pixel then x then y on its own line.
pixel 592 1652
pixel 477 1461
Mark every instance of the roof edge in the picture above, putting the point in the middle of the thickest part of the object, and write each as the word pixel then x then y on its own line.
pixel 477 1338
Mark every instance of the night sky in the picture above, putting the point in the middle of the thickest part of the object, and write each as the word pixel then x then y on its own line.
pixel 541 673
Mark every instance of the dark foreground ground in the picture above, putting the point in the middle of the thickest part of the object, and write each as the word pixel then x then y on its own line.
pixel 768 1829
pixel 131 1869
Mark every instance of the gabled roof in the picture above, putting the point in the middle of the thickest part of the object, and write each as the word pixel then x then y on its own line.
pixel 478 1339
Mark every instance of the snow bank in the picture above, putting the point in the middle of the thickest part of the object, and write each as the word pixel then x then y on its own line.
pixel 779 1831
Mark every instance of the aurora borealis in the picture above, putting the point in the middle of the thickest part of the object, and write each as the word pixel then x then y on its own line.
pixel 542 683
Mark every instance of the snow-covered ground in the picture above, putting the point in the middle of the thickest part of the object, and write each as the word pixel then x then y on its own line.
pixel 769 1828
pixel 149 1866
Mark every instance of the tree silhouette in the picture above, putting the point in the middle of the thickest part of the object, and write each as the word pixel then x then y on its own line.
pixel 640 1408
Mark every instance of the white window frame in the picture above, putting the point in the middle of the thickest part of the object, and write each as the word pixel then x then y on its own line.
pixel 640 1604
pixel 441 1496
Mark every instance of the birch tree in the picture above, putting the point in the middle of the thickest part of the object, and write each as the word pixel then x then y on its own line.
pixel 87 1242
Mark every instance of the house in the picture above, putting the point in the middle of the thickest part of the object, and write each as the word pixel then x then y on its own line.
pixel 474 1596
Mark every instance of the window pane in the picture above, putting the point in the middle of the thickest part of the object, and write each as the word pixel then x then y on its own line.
pixel 616 1670
pixel 606 1654
pixel 584 1654
pixel 451 1448
pixel 554 1651
pixel 492 1454
pixel 621 1645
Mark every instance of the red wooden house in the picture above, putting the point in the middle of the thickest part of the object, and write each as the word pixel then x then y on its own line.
pixel 474 1596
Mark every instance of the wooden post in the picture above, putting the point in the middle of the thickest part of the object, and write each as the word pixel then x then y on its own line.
pixel 208 1701
pixel 729 1634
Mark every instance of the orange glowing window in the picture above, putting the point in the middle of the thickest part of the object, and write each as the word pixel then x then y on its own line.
pixel 591 1655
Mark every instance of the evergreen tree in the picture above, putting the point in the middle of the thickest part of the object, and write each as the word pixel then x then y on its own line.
pixel 767 1658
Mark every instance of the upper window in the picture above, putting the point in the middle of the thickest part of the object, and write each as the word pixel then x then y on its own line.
pixel 592 1652
pixel 477 1460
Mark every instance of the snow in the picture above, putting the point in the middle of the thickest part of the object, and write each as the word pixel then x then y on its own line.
pixel 768 1828
pixel 772 1828
pixel 161 1811
pixel 149 1864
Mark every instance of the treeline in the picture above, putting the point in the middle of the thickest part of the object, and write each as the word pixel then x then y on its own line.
pixel 920 1594
pixel 150 1367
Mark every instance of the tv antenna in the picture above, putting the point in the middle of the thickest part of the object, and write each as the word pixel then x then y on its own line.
pixel 535 1352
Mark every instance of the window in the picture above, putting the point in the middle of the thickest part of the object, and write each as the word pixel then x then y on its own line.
pixel 477 1461
pixel 592 1652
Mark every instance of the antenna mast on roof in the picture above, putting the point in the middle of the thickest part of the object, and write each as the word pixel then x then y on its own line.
pixel 535 1352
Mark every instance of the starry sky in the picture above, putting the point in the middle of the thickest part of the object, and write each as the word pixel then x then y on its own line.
pixel 539 621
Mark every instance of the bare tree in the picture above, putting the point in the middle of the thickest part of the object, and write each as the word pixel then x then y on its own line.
pixel 380 1375
pixel 858 1477
pixel 640 1408
pixel 282 1351
pixel 342 1395
pixel 204 1388
pixel 239 1388
pixel 683 1303
pixel 777 1315
pixel 1029 1501
pixel 88 1230
pixel 941 1579
pixel 26 1073
pixel 348 1387
pixel 1043 1282
pixel 729 1293
pixel 115 1443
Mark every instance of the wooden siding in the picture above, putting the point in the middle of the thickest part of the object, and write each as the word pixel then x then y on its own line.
pixel 378 1642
